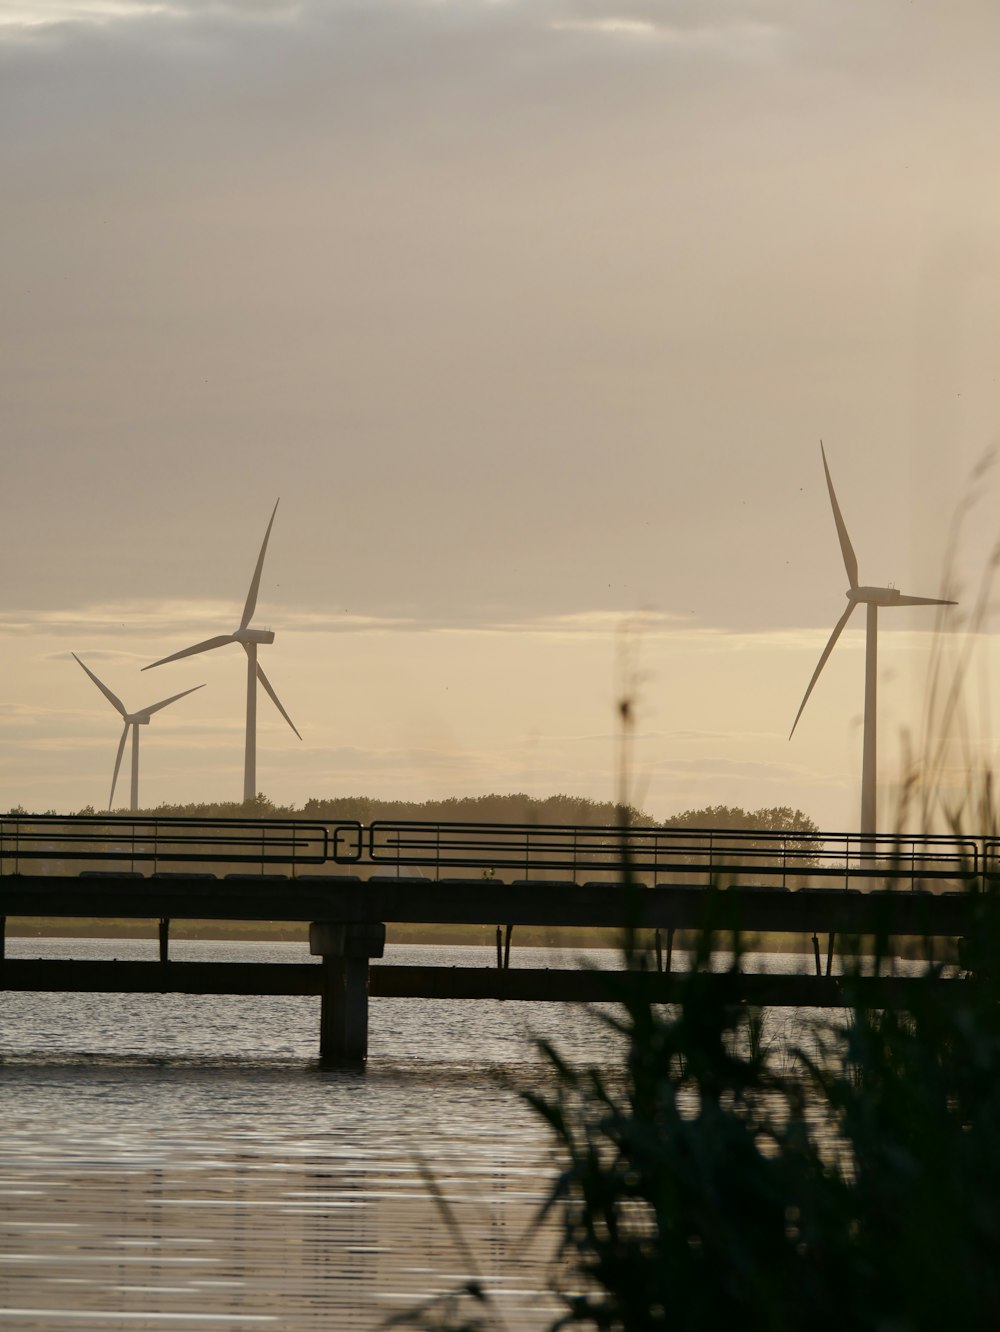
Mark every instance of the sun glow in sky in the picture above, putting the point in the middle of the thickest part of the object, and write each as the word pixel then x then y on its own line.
pixel 533 314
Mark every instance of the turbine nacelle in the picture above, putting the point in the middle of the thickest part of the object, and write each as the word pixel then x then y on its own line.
pixel 253 636
pixel 873 596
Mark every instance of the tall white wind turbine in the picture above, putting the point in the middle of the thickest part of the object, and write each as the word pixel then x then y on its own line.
pixel 250 640
pixel 872 598
pixel 135 720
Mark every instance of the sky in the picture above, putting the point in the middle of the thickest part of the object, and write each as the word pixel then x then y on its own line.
pixel 533 315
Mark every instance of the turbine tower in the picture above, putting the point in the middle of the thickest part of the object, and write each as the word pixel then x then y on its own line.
pixel 871 598
pixel 250 640
pixel 135 720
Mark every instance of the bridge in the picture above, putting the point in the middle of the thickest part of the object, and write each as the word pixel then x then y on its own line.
pixel 344 882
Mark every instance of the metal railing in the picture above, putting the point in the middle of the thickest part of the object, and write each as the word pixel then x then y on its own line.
pixel 46 843
pixel 53 844
pixel 666 855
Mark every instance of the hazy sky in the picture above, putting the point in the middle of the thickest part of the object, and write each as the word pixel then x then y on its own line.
pixel 533 314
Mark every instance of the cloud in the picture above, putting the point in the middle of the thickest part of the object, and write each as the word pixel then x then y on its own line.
pixel 616 27
pixel 23 15
pixel 35 16
pixel 709 32
pixel 195 616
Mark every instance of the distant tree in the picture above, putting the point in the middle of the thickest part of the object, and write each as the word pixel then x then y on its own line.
pixel 508 808
pixel 771 818
pixel 780 828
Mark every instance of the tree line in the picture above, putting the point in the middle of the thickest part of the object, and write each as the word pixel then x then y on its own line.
pixel 495 808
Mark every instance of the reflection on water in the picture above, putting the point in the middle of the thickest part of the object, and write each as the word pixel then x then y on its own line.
pixel 172 1160
pixel 224 1231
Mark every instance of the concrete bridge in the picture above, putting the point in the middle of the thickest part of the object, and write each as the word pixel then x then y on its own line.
pixel 345 882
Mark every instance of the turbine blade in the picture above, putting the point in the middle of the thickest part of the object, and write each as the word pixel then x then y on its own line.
pixel 837 629
pixel 118 764
pixel 251 605
pixel 274 698
pixel 112 698
pixel 208 644
pixel 155 707
pixel 923 601
pixel 847 550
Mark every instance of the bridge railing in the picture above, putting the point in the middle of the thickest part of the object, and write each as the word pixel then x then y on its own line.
pixel 44 843
pixel 665 855
pixel 55 844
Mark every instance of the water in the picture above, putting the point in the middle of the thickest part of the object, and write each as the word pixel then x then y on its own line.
pixel 172 1161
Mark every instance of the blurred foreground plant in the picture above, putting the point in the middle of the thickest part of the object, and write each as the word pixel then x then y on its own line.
pixel 716 1177
pixel 858 1185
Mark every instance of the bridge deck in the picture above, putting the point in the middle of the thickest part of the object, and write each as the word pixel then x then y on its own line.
pixel 343 899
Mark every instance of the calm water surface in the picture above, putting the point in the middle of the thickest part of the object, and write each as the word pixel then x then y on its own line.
pixel 172 1161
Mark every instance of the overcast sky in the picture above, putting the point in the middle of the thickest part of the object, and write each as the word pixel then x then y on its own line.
pixel 534 315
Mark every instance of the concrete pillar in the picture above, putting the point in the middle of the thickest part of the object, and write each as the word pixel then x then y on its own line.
pixel 345 950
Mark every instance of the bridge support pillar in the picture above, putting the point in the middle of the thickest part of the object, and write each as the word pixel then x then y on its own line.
pixel 343 1023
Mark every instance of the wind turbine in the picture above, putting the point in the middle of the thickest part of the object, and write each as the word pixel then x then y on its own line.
pixel 135 720
pixel 872 598
pixel 251 640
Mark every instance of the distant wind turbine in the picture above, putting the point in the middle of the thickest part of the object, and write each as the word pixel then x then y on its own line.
pixel 250 639
pixel 135 720
pixel 872 598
